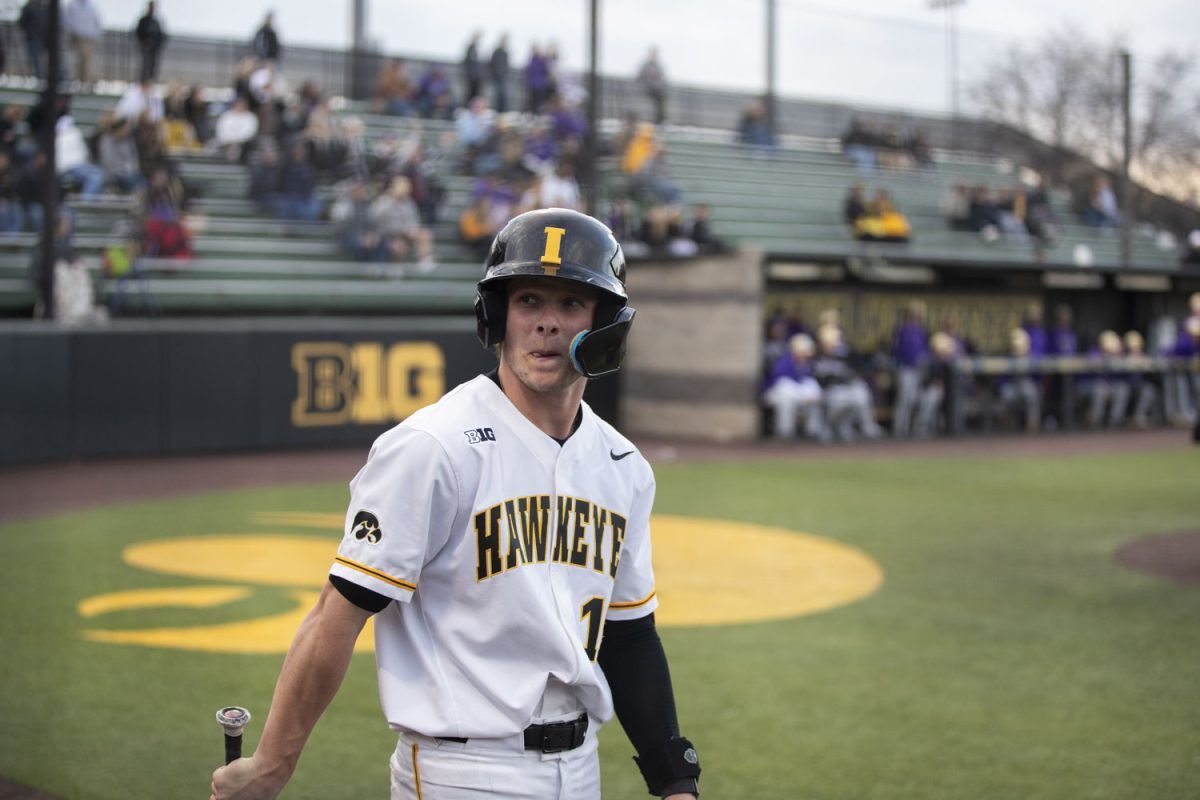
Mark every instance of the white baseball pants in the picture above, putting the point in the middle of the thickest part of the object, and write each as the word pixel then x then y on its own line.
pixel 485 769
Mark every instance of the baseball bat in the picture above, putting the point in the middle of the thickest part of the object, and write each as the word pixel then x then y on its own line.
pixel 234 720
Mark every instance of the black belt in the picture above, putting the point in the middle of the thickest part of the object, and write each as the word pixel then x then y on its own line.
pixel 553 737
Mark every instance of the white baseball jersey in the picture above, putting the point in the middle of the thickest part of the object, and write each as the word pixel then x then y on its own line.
pixel 505 553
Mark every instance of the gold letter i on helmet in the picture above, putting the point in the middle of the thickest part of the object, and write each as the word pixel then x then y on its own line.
pixel 553 243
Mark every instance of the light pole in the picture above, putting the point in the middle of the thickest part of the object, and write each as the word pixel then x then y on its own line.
pixel 951 7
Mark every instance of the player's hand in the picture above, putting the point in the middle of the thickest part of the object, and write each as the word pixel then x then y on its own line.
pixel 247 779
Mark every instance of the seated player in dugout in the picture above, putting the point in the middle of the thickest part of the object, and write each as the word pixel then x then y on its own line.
pixel 501 539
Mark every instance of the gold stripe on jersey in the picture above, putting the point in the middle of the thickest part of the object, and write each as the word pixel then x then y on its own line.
pixel 634 603
pixel 416 771
pixel 374 573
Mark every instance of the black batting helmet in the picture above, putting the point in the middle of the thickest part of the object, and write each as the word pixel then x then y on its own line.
pixel 565 245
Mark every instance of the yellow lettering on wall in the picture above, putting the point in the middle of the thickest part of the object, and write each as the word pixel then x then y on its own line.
pixel 365 383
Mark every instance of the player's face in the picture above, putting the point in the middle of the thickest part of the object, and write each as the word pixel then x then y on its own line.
pixel 543 318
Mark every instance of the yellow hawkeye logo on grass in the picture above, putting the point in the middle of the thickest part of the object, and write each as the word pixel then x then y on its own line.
pixel 709 572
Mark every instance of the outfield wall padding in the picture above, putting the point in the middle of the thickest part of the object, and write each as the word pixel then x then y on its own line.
pixel 183 386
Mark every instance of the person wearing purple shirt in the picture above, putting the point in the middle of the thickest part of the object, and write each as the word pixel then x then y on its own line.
pixel 910 350
pixel 790 390
pixel 537 80
pixel 1032 325
pixel 1104 387
pixel 1185 383
pixel 1063 339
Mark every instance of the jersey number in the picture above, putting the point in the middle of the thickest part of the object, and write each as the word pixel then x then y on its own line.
pixel 553 244
pixel 593 612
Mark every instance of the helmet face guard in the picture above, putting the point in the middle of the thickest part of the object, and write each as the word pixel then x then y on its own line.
pixel 564 245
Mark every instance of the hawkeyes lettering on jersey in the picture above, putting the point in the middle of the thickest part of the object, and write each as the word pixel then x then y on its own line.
pixel 514 532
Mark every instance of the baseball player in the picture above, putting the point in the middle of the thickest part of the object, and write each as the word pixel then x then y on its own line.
pixel 501 539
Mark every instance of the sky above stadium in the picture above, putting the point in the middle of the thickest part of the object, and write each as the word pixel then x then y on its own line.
pixel 891 53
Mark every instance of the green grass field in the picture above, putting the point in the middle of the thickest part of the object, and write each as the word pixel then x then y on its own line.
pixel 1005 655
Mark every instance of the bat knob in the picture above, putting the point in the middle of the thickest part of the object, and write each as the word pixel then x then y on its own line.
pixel 233 719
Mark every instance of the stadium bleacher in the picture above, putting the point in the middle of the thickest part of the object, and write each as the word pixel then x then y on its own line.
pixel 787 202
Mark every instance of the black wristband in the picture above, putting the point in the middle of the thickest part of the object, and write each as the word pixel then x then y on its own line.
pixel 667 763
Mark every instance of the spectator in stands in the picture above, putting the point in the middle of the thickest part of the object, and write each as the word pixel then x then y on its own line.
pixel 1039 216
pixel 178 133
pixel 474 125
pixel 849 408
pixel 161 212
pixel 653 81
pixel 512 169
pixel 753 129
pixel 1103 388
pixel 195 111
pixel 1191 253
pixel 1010 213
pixel 356 232
pixel 1141 386
pixel 34 22
pixel 791 391
pixel 472 69
pixel 1102 210
pixel 567 120
pixel 938 376
pixel 434 98
pixel 955 206
pixel 559 189
pixel 428 192
pixel 327 147
pixel 701 232
pixel 883 222
pixel 394 89
pixel 982 215
pixel 266 175
pixel 236 129
pixel 918 148
pixel 477 226
pixel 265 45
pixel 858 145
pixel 1063 340
pixel 31 187
pixel 892 152
pixel 855 207
pixel 72 160
pixel 298 200
pixel 395 216
pixel 10 131
pixel 498 73
pixel 654 182
pixel 151 38
pixel 141 98
pixel 12 213
pixel 84 30
pixel 147 136
pixel 910 354
pixel 538 80
pixel 1020 392
pixel 541 148
pixel 269 90
pixel 119 157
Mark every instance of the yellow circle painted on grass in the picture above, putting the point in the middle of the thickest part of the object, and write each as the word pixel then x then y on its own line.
pixel 708 572
pixel 718 572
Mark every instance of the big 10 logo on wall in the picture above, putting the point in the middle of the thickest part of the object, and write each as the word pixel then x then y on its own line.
pixel 364 383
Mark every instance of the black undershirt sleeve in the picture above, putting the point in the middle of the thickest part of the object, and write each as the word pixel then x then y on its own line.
pixel 360 596
pixel 633 660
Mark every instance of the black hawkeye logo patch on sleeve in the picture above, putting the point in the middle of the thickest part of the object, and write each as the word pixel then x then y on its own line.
pixel 366 527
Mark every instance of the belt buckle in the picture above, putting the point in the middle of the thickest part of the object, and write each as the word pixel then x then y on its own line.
pixel 558 737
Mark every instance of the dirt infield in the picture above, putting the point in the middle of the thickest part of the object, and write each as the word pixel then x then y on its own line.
pixel 1174 557
pixel 39 490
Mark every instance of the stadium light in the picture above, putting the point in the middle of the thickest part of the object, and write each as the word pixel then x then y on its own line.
pixel 951 8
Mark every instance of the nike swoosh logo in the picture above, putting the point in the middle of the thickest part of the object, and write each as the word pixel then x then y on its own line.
pixel 618 457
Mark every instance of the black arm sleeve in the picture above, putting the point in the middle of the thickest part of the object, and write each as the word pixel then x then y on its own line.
pixel 360 596
pixel 633 660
